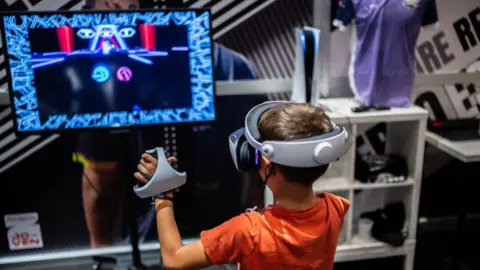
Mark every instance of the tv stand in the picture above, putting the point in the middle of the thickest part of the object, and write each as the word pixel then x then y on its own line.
pixel 136 146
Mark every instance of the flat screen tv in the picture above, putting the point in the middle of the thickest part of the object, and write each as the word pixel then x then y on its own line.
pixel 79 70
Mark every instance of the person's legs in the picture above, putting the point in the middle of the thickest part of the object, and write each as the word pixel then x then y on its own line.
pixel 100 192
pixel 101 188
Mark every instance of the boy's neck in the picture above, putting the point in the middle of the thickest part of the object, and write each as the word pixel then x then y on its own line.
pixel 294 196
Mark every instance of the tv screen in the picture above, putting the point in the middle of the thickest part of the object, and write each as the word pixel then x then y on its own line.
pixel 109 69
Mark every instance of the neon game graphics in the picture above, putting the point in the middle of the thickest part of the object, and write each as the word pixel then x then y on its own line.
pixel 77 70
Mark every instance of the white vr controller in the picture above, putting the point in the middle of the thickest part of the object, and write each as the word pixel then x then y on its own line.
pixel 165 178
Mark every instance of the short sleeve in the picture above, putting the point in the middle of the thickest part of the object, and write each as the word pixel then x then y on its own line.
pixel 231 241
pixel 344 13
pixel 430 15
pixel 345 204
pixel 340 204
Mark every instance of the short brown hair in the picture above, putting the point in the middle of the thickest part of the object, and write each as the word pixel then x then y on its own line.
pixel 293 121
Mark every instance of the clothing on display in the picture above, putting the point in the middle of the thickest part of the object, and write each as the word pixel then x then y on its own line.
pixel 383 67
pixel 380 168
pixel 388 224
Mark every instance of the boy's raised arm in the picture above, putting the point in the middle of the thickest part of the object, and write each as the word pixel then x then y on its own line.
pixel 232 241
pixel 174 254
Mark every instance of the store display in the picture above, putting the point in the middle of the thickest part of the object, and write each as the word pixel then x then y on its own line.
pixel 388 224
pixel 383 67
pixel 109 69
pixel 371 168
pixel 378 168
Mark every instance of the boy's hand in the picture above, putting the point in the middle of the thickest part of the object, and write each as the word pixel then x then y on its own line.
pixel 148 166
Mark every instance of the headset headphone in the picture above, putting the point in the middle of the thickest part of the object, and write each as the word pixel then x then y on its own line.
pixel 246 145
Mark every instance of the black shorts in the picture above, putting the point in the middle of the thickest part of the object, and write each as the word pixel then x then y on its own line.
pixel 106 149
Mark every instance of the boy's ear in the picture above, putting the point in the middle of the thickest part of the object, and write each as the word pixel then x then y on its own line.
pixel 266 161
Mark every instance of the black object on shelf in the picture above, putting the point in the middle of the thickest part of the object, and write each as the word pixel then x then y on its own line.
pixel 388 224
pixel 371 168
pixel 457 129
pixel 369 108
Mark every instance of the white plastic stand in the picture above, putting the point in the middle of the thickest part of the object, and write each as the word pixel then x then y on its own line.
pixel 405 136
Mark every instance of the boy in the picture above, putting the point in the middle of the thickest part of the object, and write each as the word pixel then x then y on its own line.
pixel 299 231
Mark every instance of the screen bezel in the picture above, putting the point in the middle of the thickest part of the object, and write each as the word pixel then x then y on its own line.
pixel 10 91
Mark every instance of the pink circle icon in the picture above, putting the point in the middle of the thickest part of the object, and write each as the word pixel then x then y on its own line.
pixel 124 74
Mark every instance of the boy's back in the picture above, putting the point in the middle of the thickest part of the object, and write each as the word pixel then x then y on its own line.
pixel 301 229
pixel 280 238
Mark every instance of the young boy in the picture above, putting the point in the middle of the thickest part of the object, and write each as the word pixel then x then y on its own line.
pixel 299 231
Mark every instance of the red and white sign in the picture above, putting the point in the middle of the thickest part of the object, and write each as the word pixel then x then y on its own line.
pixel 23 231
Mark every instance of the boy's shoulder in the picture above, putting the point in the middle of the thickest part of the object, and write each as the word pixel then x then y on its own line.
pixel 254 215
pixel 340 204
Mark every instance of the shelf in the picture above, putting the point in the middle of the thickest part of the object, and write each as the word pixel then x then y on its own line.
pixel 466 151
pixel 359 185
pixel 340 111
pixel 329 184
pixel 361 249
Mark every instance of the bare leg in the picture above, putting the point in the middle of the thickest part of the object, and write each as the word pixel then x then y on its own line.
pixel 101 192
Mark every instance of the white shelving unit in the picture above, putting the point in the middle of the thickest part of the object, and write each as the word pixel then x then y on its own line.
pixel 405 136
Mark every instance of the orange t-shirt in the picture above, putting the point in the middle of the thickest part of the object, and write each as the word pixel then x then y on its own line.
pixel 280 238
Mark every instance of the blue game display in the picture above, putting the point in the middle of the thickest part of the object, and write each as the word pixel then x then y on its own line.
pixel 83 70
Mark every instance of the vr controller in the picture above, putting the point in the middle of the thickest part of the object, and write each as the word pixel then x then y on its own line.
pixel 165 178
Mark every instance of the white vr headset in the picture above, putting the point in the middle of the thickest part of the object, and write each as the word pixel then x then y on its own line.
pixel 246 145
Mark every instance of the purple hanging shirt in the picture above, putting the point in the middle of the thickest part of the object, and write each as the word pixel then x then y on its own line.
pixel 384 56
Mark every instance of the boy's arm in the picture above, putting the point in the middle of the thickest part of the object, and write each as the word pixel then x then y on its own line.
pixel 174 254
pixel 230 242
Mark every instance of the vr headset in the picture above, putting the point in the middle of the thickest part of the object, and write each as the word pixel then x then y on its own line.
pixel 246 145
